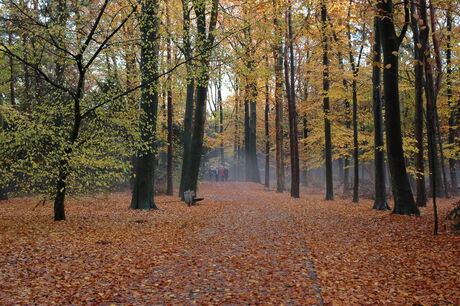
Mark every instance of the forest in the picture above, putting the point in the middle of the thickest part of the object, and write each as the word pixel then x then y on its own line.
pixel 230 152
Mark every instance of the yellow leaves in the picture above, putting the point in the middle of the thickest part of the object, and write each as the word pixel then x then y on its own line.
pixel 387 66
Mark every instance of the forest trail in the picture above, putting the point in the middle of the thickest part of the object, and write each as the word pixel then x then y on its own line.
pixel 248 251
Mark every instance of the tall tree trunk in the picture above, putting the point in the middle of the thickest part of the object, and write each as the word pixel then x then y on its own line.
pixel 355 142
pixel 59 69
pixel 380 202
pixel 418 124
pixel 12 73
pixel 206 41
pixel 267 133
pixel 304 180
pixel 188 116
pixel 143 189
pixel 247 132
pixel 221 121
pixel 3 189
pixel 252 169
pixel 278 62
pixel 326 107
pixel 430 92
pixel 305 136
pixel 437 55
pixel 453 106
pixel 169 168
pixel 3 186
pixel 236 145
pixel 354 87
pixel 292 112
pixel 402 193
pixel 346 159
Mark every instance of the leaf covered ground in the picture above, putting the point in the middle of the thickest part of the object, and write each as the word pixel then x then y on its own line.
pixel 241 245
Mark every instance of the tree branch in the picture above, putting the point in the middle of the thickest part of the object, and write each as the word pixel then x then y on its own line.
pixel 93 29
pixel 406 22
pixel 102 45
pixel 7 51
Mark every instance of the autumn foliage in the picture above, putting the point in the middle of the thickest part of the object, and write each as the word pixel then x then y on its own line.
pixel 242 245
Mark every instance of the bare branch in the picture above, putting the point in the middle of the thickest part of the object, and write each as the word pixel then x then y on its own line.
pixel 93 29
pixel 106 40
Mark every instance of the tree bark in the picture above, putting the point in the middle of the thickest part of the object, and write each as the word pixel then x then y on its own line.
pixel 433 161
pixel 169 167
pixel 189 105
pixel 305 136
pixel 453 106
pixel 402 193
pixel 289 71
pixel 206 41
pixel 267 133
pixel 3 185
pixel 418 121
pixel 12 72
pixel 221 122
pixel 437 56
pixel 354 87
pixel 278 62
pixel 143 189
pixel 380 202
pixel 59 69
pixel 326 107
pixel 252 168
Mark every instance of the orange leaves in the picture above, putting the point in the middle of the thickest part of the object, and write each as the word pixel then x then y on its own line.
pixel 243 245
pixel 364 256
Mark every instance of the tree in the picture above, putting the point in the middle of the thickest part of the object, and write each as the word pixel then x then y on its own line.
pixel 402 193
pixel 250 110
pixel 454 106
pixel 189 100
pixel 380 202
pixel 432 87
pixel 326 107
pixel 68 113
pixel 289 71
pixel 142 194
pixel 205 41
pixel 267 130
pixel 418 120
pixel 354 86
pixel 278 62
pixel 169 170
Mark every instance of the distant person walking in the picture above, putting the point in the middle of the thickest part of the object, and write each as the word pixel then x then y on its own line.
pixel 221 174
pixel 216 174
pixel 225 174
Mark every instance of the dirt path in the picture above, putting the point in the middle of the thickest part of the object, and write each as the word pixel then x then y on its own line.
pixel 248 250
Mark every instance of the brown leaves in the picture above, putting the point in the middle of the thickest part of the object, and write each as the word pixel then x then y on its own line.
pixel 364 256
pixel 242 246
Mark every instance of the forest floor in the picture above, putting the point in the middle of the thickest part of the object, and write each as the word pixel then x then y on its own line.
pixel 241 245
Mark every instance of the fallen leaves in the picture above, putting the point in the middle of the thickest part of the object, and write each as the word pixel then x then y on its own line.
pixel 243 245
pixel 379 258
